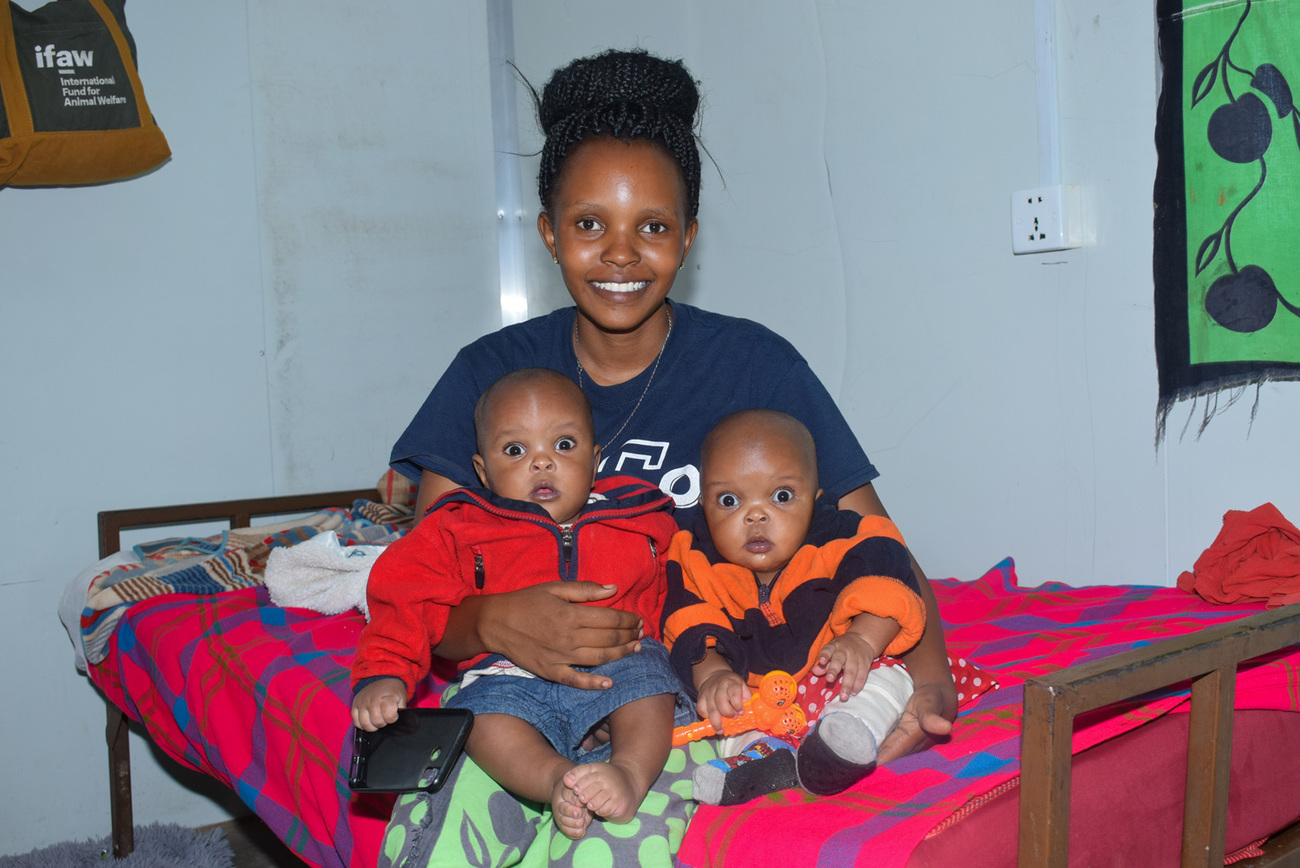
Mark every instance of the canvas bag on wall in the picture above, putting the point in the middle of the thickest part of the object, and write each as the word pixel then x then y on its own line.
pixel 72 109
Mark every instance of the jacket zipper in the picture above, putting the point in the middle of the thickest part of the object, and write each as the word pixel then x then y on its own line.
pixel 765 600
pixel 566 533
pixel 566 546
pixel 479 575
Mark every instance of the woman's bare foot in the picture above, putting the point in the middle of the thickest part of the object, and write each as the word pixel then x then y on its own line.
pixel 608 790
pixel 570 815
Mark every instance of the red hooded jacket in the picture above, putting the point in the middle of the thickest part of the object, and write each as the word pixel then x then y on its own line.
pixel 474 542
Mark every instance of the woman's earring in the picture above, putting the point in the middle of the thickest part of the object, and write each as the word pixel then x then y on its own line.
pixel 681 265
pixel 555 259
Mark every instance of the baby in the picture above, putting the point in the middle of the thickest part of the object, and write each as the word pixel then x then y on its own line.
pixel 539 520
pixel 774 576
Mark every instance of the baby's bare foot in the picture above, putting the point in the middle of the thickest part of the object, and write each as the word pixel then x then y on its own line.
pixel 608 790
pixel 570 815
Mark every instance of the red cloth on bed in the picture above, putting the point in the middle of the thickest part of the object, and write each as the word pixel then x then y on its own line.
pixel 1255 557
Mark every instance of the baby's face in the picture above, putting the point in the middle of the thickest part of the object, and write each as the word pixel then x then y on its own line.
pixel 757 493
pixel 540 448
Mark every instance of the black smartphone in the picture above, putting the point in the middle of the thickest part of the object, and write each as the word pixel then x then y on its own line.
pixel 416 753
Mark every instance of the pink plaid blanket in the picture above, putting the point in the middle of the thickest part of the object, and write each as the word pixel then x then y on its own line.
pixel 258 696
pixel 1016 633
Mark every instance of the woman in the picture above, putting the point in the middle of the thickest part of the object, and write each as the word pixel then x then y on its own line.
pixel 619 184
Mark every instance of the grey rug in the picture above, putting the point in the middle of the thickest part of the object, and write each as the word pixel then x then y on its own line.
pixel 156 846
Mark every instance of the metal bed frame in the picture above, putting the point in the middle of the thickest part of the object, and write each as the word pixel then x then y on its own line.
pixel 240 513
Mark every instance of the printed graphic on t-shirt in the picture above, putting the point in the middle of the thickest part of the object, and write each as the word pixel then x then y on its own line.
pixel 642 458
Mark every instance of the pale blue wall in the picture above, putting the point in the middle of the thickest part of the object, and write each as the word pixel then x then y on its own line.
pixel 868 153
pixel 260 315
pixel 264 312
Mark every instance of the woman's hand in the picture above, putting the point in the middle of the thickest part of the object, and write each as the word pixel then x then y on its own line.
pixel 544 630
pixel 923 723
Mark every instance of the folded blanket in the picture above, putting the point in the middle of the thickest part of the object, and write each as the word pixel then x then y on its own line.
pixel 237 559
pixel 1255 558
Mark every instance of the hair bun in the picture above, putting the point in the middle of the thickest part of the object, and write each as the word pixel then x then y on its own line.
pixel 629 78
pixel 627 95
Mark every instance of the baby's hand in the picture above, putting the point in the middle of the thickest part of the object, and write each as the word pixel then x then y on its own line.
pixel 847 658
pixel 375 705
pixel 722 694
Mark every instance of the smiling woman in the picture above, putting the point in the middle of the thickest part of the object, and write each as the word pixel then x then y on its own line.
pixel 619 185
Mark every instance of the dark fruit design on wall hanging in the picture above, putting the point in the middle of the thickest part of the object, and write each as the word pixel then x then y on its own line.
pixel 1245 299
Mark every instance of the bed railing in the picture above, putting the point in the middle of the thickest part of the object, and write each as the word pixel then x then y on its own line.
pixel 239 513
pixel 1209 659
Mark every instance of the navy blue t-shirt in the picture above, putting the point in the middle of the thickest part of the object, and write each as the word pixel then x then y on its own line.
pixel 712 365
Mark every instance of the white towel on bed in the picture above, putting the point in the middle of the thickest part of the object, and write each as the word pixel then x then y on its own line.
pixel 320 574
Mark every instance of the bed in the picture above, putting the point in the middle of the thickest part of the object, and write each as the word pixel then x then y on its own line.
pixel 1108 683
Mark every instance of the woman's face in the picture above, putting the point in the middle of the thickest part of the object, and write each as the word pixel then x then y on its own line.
pixel 619 229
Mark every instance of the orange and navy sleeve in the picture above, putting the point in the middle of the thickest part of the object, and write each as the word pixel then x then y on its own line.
pixel 876 577
pixel 886 597
pixel 694 619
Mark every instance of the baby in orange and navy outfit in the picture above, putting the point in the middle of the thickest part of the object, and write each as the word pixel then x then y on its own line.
pixel 773 576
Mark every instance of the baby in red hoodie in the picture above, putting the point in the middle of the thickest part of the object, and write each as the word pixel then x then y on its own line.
pixel 540 517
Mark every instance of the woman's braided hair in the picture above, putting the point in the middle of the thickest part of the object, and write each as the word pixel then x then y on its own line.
pixel 627 95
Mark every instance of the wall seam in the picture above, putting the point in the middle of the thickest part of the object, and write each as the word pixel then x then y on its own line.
pixel 261 247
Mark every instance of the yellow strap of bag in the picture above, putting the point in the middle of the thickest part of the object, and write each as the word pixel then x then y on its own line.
pixel 72 109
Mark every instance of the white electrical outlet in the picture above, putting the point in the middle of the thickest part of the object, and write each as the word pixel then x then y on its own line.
pixel 1046 218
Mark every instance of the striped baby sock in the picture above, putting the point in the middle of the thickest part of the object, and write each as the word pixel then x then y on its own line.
pixel 764 767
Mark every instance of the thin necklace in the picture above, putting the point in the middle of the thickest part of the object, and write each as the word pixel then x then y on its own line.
pixel 578 357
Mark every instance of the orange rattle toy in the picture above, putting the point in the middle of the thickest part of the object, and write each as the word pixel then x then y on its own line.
pixel 772 709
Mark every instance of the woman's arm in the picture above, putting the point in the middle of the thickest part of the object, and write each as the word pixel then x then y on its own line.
pixel 432 487
pixel 538 628
pixel 933 706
